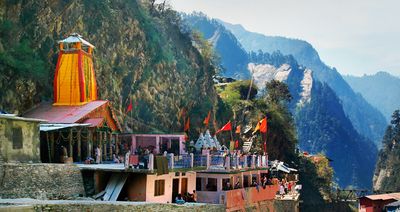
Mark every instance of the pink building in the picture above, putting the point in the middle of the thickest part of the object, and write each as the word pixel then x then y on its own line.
pixel 159 143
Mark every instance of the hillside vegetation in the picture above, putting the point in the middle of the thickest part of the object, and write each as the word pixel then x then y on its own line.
pixel 141 54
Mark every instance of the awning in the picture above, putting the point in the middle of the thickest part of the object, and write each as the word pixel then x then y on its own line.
pixel 51 127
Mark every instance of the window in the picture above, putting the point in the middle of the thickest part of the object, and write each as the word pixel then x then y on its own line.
pixel 159 187
pixel 198 183
pixel 212 184
pixel 17 138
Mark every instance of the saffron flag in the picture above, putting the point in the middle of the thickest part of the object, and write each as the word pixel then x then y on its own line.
pixel 226 127
pixel 262 126
pixel 237 129
pixel 187 125
pixel 130 107
pixel 207 119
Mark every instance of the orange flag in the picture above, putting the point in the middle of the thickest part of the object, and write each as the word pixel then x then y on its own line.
pixel 226 127
pixel 207 119
pixel 236 144
pixel 187 125
pixel 263 125
pixel 237 129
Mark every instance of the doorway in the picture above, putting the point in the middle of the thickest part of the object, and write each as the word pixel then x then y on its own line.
pixel 175 189
pixel 184 186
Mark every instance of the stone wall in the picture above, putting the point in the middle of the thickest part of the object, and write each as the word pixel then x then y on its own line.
pixel 71 206
pixel 29 150
pixel 40 181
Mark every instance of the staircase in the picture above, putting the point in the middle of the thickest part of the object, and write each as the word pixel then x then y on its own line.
pixel 247 145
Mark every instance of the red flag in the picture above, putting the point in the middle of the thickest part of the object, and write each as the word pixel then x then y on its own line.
pixel 237 129
pixel 130 107
pixel 186 137
pixel 236 144
pixel 207 119
pixel 226 127
pixel 263 125
pixel 187 125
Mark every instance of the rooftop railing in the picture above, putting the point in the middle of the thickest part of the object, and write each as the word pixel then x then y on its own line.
pixel 211 161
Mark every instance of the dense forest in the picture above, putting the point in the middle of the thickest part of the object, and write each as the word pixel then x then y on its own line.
pixel 387 178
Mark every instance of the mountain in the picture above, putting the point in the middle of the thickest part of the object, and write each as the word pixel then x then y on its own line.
pixel 232 55
pixel 381 90
pixel 367 120
pixel 386 178
pixel 321 122
pixel 141 54
pixel 322 125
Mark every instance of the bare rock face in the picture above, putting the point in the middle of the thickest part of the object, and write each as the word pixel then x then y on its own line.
pixel 141 54
pixel 264 73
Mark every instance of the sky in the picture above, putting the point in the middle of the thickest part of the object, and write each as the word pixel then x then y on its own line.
pixel 355 36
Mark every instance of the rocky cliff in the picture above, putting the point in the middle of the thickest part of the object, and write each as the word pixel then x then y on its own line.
pixel 141 54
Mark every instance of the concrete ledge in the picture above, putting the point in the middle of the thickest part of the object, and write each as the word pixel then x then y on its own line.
pixel 85 205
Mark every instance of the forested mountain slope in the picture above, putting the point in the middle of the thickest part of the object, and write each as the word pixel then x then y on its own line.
pixel 367 120
pixel 141 54
pixel 382 90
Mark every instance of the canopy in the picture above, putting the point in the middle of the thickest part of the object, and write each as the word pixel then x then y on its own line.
pixel 76 38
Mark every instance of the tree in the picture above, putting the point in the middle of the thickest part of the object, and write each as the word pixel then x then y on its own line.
pixel 277 92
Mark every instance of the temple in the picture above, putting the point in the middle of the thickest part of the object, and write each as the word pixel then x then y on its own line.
pixel 77 122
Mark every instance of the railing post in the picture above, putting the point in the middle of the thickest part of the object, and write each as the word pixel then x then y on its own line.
pixel 228 163
pixel 253 161
pixel 208 160
pixel 237 161
pixel 151 162
pixel 245 161
pixel 191 160
pixel 171 156
pixel 266 160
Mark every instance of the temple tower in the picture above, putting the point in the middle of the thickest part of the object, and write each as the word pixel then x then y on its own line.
pixel 74 78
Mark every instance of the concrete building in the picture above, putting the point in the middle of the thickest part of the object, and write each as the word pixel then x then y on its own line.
pixel 19 139
pixel 376 203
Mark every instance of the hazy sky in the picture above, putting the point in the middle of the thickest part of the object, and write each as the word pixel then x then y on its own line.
pixel 355 36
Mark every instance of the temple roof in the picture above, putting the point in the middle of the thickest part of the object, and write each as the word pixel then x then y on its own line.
pixel 76 38
pixel 90 113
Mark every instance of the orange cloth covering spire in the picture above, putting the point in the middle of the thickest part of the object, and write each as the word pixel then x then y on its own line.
pixel 74 78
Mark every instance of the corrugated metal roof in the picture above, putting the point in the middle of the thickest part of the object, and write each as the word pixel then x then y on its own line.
pixel 15 117
pixel 50 127
pixel 94 122
pixel 389 196
pixel 63 114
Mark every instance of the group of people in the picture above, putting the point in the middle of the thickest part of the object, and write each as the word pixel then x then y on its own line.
pixel 186 197
pixel 286 187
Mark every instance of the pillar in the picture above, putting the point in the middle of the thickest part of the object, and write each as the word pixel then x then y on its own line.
pixel 78 135
pixel 151 162
pixel 105 146
pixel 89 143
pixel 70 143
